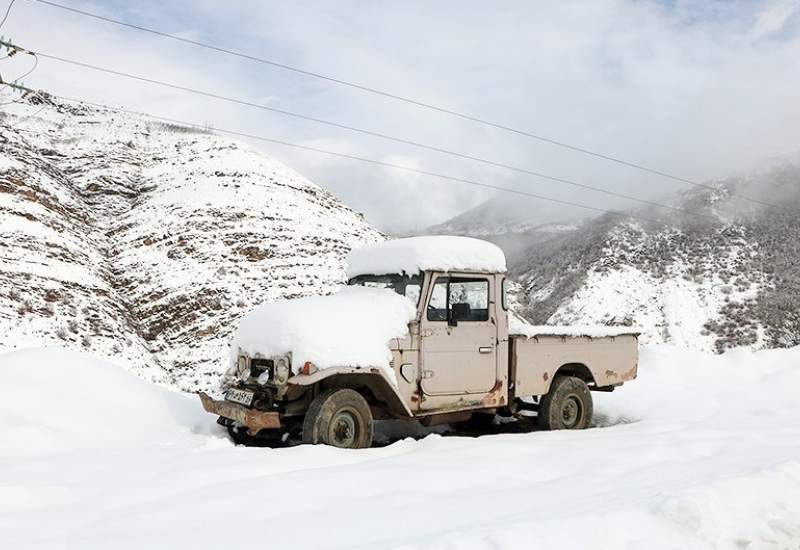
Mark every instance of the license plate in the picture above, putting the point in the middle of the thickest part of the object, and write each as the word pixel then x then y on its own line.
pixel 242 397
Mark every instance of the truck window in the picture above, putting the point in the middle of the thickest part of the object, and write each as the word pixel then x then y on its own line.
pixel 437 307
pixel 446 292
pixel 504 298
pixel 408 286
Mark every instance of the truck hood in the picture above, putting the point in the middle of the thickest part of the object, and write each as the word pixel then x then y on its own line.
pixel 351 328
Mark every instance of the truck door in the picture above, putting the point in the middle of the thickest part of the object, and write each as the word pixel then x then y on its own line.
pixel 459 338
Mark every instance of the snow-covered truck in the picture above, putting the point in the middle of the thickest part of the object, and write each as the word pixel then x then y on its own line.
pixel 422 332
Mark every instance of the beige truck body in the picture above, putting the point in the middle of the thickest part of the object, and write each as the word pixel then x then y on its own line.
pixel 457 359
pixel 477 364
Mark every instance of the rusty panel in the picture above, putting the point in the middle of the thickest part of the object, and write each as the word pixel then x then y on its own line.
pixel 253 419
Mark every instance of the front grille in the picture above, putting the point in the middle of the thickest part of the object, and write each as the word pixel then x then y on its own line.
pixel 259 366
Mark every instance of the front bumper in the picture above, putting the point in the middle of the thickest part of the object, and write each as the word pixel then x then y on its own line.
pixel 253 419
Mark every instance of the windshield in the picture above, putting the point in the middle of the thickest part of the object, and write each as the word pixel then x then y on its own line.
pixel 408 286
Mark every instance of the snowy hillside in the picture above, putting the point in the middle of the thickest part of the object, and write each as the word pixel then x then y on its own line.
pixel 693 454
pixel 731 278
pixel 726 280
pixel 144 243
pixel 511 222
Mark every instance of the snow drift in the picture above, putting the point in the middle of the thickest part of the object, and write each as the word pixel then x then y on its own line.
pixel 54 399
pixel 351 328
pixel 700 451
pixel 414 254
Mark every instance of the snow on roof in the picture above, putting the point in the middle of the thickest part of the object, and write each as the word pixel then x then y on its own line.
pixel 414 254
pixel 518 327
pixel 351 328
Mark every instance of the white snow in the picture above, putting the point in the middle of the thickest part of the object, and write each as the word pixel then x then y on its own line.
pixel 414 254
pixel 701 451
pixel 351 328
pixel 54 399
pixel 518 327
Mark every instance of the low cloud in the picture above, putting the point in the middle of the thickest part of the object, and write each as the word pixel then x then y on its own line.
pixel 699 89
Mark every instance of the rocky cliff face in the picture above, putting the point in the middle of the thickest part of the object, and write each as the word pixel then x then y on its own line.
pixel 145 242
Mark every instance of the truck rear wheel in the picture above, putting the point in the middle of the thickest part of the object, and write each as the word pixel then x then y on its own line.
pixel 567 406
pixel 340 418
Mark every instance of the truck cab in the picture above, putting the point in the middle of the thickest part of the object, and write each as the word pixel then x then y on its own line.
pixel 454 360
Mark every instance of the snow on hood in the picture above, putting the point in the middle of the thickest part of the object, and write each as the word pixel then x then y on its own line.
pixel 351 328
pixel 416 254
pixel 519 327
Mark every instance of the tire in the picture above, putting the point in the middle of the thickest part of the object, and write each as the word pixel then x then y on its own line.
pixel 340 418
pixel 567 406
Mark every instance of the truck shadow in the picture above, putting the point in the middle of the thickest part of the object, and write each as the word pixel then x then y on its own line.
pixel 390 431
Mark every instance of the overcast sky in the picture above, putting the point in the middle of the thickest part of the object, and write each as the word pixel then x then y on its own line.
pixel 701 89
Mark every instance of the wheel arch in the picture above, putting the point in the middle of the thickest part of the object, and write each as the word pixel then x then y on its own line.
pixel 374 386
pixel 578 370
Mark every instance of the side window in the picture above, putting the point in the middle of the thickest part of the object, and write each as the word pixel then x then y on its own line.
pixel 470 299
pixel 437 307
pixel 504 297
pixel 465 299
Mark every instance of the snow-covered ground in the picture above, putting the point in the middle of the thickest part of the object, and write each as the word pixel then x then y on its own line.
pixel 701 451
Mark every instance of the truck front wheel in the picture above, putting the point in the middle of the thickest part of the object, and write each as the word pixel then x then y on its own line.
pixel 339 417
pixel 567 406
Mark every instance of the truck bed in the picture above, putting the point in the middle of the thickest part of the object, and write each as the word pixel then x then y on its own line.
pixel 605 356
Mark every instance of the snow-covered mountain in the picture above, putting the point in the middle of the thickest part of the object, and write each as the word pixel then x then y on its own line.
pixel 512 223
pixel 727 278
pixel 144 243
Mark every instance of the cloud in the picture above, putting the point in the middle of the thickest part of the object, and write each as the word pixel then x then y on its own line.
pixel 700 89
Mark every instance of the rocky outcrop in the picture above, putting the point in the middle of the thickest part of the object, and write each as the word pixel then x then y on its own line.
pixel 145 243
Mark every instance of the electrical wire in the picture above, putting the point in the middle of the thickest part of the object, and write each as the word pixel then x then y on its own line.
pixel 8 11
pixel 373 162
pixel 30 71
pixel 397 97
pixel 367 132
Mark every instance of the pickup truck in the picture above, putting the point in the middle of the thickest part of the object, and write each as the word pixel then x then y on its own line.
pixel 459 354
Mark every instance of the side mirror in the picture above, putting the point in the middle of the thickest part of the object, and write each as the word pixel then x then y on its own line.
pixel 459 312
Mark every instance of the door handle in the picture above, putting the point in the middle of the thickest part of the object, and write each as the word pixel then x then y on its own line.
pixel 485 349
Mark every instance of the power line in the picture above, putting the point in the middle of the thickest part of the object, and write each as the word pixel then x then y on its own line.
pixel 362 131
pixel 374 162
pixel 397 97
pixel 8 11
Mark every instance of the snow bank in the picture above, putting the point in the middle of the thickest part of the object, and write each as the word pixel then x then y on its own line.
pixel 416 254
pixel 518 327
pixel 701 451
pixel 55 399
pixel 350 328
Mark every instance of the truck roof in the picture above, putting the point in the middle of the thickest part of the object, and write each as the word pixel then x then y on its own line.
pixel 429 253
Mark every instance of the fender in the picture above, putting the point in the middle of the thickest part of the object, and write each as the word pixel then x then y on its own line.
pixel 373 378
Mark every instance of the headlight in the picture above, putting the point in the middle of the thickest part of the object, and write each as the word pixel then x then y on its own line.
pixel 282 371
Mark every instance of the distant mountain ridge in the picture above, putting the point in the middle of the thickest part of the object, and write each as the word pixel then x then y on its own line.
pixel 144 243
pixel 728 278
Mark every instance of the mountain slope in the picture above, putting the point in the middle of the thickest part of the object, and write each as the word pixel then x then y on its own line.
pixel 512 224
pixel 728 279
pixel 145 243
